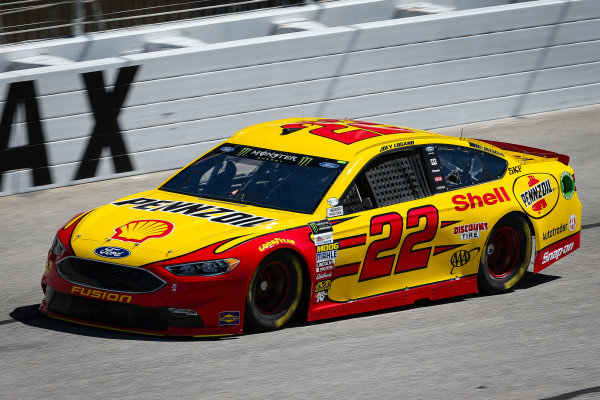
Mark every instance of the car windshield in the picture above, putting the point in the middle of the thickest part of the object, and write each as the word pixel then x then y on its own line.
pixel 257 176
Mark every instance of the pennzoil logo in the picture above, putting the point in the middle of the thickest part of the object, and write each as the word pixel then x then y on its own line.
pixel 212 213
pixel 227 318
pixel 141 230
pixel 101 294
pixel 535 195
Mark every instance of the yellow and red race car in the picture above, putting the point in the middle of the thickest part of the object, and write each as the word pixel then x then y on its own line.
pixel 315 216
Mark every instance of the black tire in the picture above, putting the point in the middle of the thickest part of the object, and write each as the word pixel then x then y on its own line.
pixel 274 292
pixel 506 255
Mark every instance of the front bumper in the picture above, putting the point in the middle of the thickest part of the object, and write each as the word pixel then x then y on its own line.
pixel 183 306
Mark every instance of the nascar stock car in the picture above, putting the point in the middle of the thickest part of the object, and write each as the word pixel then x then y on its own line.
pixel 318 217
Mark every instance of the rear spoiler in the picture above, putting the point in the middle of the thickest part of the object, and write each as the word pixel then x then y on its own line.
pixel 528 150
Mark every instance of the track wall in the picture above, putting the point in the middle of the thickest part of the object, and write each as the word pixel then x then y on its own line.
pixel 142 100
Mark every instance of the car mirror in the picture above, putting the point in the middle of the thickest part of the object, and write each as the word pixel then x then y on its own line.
pixel 367 203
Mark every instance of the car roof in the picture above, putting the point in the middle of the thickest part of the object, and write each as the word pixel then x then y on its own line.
pixel 326 137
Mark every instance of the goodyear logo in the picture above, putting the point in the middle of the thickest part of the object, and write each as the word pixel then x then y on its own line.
pixel 275 242
pixel 323 285
pixel 227 318
pixel 101 294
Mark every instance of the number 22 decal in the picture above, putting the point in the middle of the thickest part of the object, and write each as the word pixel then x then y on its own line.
pixel 346 132
pixel 407 259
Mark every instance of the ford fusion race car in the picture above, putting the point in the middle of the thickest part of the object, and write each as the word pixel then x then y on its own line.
pixel 315 216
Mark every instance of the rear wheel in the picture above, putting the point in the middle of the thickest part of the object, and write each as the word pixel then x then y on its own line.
pixel 274 292
pixel 506 255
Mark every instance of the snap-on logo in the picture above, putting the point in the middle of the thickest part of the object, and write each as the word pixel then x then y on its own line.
pixel 558 253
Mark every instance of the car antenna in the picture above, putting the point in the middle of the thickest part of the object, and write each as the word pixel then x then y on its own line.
pixel 461 132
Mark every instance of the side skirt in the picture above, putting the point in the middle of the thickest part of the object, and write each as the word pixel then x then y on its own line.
pixel 554 252
pixel 434 291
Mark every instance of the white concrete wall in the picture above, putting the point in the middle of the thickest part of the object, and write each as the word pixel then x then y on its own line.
pixel 217 76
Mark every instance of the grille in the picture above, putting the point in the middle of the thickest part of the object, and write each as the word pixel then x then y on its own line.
pixel 117 314
pixel 107 276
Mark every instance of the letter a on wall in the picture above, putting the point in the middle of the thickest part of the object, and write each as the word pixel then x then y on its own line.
pixel 106 106
pixel 32 155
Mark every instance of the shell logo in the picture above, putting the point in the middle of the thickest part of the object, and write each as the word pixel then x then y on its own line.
pixel 140 230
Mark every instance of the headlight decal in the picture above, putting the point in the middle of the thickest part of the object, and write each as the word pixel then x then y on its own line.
pixel 204 268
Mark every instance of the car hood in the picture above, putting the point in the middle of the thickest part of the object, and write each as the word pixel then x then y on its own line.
pixel 158 225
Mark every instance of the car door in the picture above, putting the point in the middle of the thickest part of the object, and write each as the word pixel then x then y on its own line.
pixel 386 235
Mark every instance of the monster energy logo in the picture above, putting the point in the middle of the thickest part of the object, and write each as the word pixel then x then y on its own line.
pixel 244 151
pixel 304 161
pixel 313 227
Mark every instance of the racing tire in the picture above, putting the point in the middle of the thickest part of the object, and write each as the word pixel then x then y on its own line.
pixel 274 292
pixel 506 255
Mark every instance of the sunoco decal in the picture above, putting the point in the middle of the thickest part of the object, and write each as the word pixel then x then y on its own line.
pixel 220 215
pixel 227 318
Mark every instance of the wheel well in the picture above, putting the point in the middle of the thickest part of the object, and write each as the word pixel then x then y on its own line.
pixel 522 214
pixel 306 281
pixel 531 227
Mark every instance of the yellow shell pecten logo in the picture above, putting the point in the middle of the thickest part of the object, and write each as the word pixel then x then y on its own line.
pixel 140 230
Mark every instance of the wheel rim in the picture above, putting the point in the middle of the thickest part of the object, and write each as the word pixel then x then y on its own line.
pixel 272 288
pixel 503 252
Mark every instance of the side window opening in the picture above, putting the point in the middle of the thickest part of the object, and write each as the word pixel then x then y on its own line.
pixel 464 167
pixel 390 179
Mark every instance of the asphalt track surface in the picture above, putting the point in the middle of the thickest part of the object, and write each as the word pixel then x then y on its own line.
pixel 541 341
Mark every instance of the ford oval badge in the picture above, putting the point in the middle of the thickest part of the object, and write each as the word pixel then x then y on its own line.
pixel 112 252
pixel 227 149
pixel 328 165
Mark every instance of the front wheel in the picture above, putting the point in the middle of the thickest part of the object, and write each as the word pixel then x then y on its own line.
pixel 274 292
pixel 506 255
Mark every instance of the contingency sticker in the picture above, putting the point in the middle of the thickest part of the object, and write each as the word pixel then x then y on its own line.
pixel 333 212
pixel 322 232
